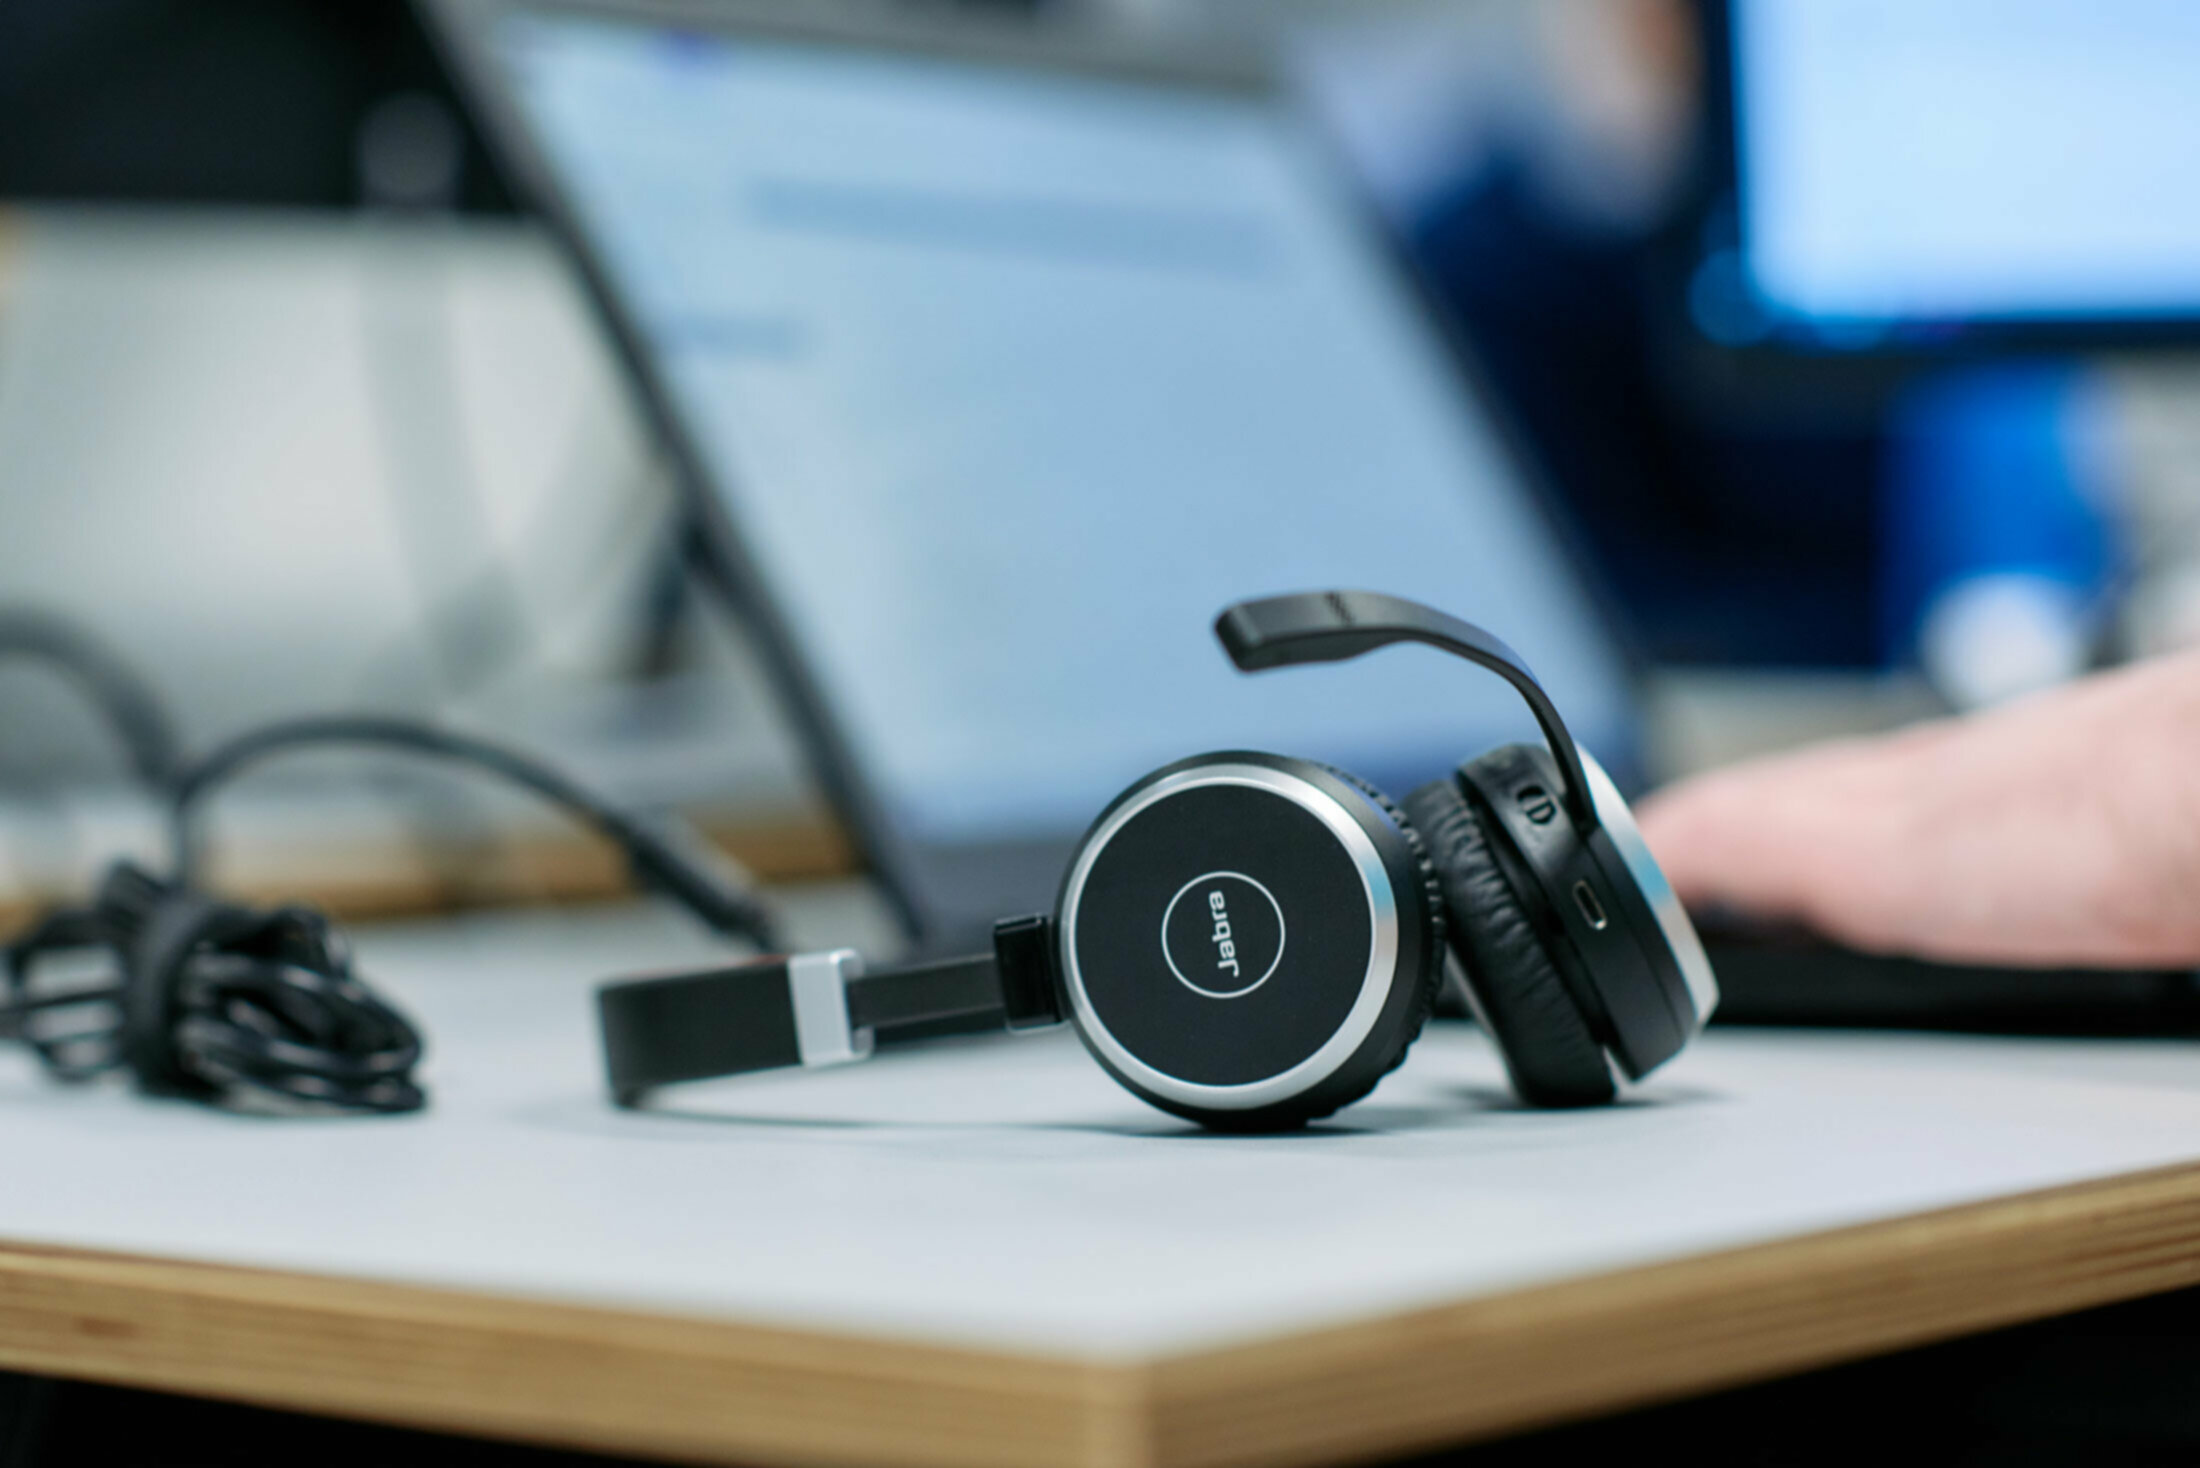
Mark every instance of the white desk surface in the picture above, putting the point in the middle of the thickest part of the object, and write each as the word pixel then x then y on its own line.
pixel 1005 1194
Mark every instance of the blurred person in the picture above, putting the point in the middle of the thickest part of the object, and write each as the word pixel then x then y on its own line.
pixel 2060 829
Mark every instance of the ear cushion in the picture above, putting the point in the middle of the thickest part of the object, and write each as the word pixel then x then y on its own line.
pixel 1430 981
pixel 1549 1051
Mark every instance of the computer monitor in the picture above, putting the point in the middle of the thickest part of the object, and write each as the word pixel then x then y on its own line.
pixel 1962 172
pixel 1002 360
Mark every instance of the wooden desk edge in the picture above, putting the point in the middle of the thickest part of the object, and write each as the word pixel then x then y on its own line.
pixel 719 1391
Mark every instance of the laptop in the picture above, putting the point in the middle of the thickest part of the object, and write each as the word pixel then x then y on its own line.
pixel 1000 355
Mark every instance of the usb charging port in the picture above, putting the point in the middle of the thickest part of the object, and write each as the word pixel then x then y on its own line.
pixel 1592 911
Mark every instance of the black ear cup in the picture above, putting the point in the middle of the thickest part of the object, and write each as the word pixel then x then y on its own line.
pixel 1430 902
pixel 1549 1050
pixel 1249 941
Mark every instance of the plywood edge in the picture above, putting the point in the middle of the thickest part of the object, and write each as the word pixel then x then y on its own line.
pixel 671 1387
pixel 704 1390
pixel 1477 1369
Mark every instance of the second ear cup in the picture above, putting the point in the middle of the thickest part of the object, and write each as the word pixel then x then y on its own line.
pixel 1549 1050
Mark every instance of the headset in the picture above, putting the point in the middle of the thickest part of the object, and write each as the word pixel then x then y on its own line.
pixel 1252 941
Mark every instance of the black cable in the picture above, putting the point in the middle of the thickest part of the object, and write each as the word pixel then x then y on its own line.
pixel 210 999
pixel 662 857
pixel 131 707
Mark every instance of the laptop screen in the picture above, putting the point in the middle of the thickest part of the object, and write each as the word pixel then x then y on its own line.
pixel 1010 378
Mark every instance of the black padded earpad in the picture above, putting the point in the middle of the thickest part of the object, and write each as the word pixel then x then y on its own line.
pixel 1430 902
pixel 1549 1050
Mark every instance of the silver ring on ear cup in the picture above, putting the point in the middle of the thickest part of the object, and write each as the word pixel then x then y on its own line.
pixel 1665 905
pixel 1596 923
pixel 1433 919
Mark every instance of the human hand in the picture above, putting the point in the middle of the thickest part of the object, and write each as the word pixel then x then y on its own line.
pixel 2060 830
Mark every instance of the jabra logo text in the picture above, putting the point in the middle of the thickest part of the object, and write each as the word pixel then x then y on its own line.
pixel 1225 947
pixel 1222 935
